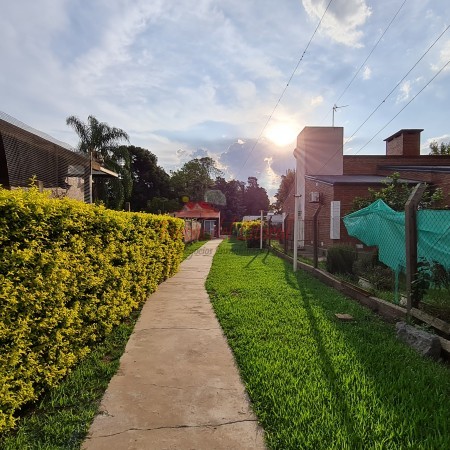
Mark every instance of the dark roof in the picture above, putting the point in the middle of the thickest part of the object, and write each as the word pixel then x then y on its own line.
pixel 404 131
pixel 417 168
pixel 353 179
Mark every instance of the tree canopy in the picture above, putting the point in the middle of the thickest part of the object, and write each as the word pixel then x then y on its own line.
pixel 195 178
pixel 152 189
pixel 285 189
pixel 396 193
pixel 101 141
pixel 439 149
pixel 255 198
pixel 233 209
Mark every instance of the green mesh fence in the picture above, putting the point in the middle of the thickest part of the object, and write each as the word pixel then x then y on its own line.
pixel 379 225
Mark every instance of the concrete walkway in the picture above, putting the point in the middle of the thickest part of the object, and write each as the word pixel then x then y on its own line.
pixel 177 386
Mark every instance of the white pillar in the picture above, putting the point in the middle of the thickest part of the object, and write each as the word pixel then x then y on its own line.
pixel 261 231
pixel 296 197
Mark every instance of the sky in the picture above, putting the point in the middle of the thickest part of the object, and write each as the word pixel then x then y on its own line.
pixel 235 80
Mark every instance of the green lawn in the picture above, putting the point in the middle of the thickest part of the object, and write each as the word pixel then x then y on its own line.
pixel 317 383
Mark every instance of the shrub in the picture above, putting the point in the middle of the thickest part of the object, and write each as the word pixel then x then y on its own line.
pixel 236 228
pixel 251 233
pixel 340 259
pixel 69 272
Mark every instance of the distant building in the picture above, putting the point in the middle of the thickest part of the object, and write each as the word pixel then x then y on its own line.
pixel 26 153
pixel 332 180
pixel 204 213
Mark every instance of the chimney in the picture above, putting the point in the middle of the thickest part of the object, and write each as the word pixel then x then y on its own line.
pixel 404 143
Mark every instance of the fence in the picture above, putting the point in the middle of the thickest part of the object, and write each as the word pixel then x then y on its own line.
pixel 403 258
pixel 192 230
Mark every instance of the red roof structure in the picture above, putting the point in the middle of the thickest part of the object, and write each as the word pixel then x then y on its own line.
pixel 198 210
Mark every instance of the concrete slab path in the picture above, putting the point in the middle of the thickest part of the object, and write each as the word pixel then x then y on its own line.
pixel 177 386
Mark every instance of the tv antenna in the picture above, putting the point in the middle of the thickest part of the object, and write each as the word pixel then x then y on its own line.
pixel 335 108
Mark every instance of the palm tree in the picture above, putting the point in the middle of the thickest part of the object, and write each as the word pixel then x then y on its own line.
pixel 101 142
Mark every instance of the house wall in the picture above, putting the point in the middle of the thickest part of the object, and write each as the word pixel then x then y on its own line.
pixel 368 164
pixel 318 151
pixel 345 193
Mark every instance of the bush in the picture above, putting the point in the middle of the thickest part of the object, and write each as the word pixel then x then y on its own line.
pixel 340 259
pixel 236 228
pixel 69 272
pixel 251 233
pixel 378 274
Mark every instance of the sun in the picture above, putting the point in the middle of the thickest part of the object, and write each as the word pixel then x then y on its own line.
pixel 281 134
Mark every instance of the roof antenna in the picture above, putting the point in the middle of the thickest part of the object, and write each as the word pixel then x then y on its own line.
pixel 335 108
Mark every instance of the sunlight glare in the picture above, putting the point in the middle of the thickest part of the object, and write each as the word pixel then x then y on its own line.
pixel 282 134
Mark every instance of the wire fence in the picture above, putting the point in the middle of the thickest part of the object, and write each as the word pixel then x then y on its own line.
pixel 377 261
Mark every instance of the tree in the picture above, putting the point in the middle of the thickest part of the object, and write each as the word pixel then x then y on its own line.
pixel 285 190
pixel 101 142
pixel 150 181
pixel 234 209
pixel 195 178
pixel 396 193
pixel 255 198
pixel 440 149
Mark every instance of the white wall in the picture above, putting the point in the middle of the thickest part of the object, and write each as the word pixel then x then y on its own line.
pixel 319 151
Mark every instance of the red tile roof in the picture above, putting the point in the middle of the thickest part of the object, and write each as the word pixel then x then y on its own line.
pixel 198 210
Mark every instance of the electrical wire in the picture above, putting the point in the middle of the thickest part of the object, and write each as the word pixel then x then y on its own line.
pixel 367 58
pixel 386 97
pixel 407 104
pixel 285 89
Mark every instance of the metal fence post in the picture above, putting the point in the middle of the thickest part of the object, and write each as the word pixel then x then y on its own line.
pixel 411 243
pixel 316 237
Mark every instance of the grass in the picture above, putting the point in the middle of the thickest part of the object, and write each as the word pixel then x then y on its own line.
pixel 317 383
pixel 191 248
pixel 62 418
pixel 304 259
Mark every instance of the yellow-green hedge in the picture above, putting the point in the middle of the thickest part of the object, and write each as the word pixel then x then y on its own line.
pixel 69 272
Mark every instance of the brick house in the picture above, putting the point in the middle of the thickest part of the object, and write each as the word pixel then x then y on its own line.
pixel 205 214
pixel 331 180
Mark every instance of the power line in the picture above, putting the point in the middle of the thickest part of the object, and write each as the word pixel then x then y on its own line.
pixel 285 88
pixel 370 54
pixel 413 98
pixel 387 96
pixel 381 129
pixel 398 84
pixel 367 58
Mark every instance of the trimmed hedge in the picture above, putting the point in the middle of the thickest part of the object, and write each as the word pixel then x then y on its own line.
pixel 69 272
pixel 250 231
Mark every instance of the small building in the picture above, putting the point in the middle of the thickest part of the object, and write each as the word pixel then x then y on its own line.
pixel 204 213
pixel 328 179
pixel 26 154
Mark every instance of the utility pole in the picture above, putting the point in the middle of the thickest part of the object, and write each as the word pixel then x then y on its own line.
pixel 261 231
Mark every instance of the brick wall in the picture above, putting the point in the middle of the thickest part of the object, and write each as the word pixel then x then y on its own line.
pixel 345 193
pixel 368 164
pixel 407 144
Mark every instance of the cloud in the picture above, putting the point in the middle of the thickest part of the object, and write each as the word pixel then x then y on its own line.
pixel 343 19
pixel 406 88
pixel 444 58
pixel 425 148
pixel 366 73
pixel 318 100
